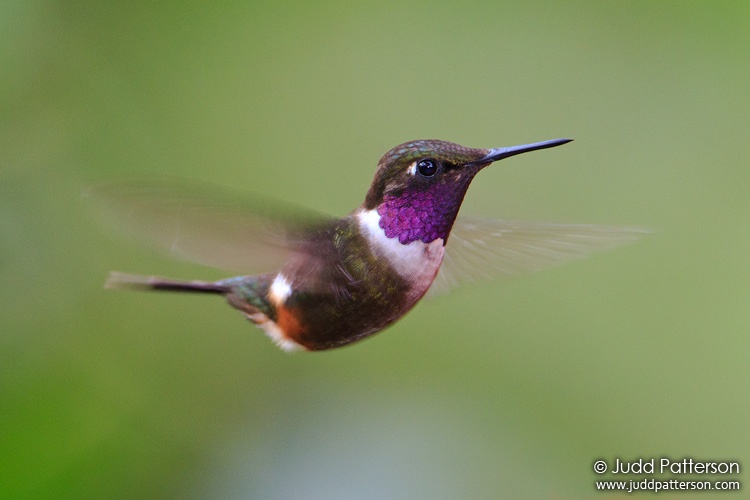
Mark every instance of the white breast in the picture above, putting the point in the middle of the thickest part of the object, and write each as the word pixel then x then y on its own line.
pixel 416 262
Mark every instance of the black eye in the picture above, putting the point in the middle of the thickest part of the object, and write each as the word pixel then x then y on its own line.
pixel 426 168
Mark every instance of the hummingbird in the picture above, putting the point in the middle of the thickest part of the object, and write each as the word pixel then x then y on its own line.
pixel 328 282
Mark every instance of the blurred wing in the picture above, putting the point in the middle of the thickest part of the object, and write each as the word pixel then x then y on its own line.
pixel 208 224
pixel 482 249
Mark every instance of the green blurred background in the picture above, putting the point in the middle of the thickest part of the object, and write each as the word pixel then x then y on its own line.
pixel 502 390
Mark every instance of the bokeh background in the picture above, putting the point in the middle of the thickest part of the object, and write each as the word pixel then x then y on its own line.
pixel 508 389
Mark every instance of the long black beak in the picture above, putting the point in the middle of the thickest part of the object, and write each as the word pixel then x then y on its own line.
pixel 501 153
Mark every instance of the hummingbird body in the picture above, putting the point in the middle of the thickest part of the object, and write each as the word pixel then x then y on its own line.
pixel 345 279
pixel 369 287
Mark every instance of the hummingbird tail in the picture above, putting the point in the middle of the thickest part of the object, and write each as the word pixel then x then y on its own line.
pixel 125 281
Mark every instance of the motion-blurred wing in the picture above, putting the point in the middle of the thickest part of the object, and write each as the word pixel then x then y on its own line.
pixel 482 249
pixel 208 224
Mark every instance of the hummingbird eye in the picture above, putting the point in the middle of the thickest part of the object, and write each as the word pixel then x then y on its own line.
pixel 426 168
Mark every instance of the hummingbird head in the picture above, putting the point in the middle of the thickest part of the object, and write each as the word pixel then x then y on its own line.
pixel 419 185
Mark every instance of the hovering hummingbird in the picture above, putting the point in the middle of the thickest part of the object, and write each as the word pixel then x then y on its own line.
pixel 328 281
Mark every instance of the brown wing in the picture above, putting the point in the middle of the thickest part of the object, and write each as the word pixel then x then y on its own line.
pixel 209 224
pixel 481 249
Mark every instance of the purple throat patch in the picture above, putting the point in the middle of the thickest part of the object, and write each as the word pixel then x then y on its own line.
pixel 422 215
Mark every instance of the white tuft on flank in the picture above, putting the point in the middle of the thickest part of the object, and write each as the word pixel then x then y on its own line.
pixel 272 331
pixel 280 290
